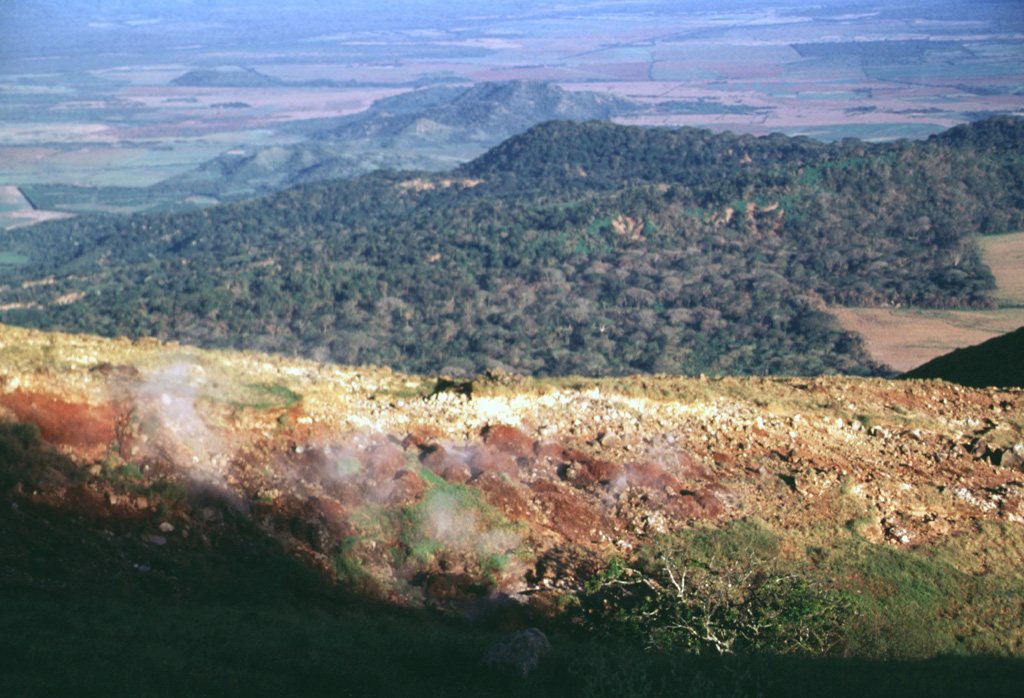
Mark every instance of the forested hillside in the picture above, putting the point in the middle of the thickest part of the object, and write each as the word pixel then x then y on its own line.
pixel 573 248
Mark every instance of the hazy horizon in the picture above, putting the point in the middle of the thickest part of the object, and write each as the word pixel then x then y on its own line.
pixel 113 93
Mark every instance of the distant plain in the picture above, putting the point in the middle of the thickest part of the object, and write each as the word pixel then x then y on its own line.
pixel 115 118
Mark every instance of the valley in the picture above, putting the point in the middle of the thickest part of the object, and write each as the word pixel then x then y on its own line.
pixel 905 338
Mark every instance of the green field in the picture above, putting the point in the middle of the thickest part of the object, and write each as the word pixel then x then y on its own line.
pixel 13 259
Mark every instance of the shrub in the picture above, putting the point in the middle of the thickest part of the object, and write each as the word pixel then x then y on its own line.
pixel 725 591
pixel 15 442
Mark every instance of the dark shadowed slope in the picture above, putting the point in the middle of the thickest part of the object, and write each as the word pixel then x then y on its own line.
pixel 997 362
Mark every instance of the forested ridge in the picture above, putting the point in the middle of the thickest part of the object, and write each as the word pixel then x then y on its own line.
pixel 573 248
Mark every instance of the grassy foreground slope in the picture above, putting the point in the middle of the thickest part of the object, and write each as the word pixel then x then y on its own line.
pixel 588 249
pixel 228 523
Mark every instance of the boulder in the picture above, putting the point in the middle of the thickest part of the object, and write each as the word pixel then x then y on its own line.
pixel 508 439
pixel 1011 457
pixel 520 652
pixel 406 488
pixel 486 459
pixel 445 465
pixel 978 448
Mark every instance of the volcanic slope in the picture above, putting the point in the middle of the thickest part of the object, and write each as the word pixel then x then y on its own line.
pixel 588 249
pixel 243 485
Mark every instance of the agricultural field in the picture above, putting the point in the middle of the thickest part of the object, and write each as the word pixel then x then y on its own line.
pixel 74 112
pixel 905 338
pixel 16 210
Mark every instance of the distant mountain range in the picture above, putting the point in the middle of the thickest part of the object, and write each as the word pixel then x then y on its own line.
pixel 487 113
pixel 431 129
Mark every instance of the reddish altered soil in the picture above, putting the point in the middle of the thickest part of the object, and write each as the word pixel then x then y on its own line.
pixel 86 429
pixel 515 488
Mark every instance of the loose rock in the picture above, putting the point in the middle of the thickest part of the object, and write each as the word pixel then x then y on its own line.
pixel 521 651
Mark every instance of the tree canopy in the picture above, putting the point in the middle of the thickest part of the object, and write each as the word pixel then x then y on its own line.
pixel 571 249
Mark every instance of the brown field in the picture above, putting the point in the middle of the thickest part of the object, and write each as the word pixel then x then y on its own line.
pixel 18 156
pixel 907 338
pixel 296 103
pixel 1005 257
pixel 35 134
pixel 32 216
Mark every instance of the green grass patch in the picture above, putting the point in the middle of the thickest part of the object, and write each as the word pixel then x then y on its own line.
pixel 262 396
pixel 257 396
pixel 13 259
pixel 408 390
pixel 724 591
pixel 746 588
pixel 129 471
pixel 452 518
pixel 904 601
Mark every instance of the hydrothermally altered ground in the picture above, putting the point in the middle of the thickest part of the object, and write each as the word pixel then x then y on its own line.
pixel 501 495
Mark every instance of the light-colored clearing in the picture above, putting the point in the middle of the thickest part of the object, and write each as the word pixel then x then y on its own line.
pixel 20 212
pixel 907 338
pixel 1004 255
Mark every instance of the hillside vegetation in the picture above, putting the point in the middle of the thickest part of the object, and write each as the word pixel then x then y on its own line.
pixel 571 249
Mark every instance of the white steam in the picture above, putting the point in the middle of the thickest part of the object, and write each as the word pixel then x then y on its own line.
pixel 169 396
pixel 457 527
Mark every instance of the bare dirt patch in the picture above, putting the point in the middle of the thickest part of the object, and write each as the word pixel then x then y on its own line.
pixel 86 428
pixel 905 339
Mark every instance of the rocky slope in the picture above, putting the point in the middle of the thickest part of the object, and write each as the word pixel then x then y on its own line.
pixel 430 491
